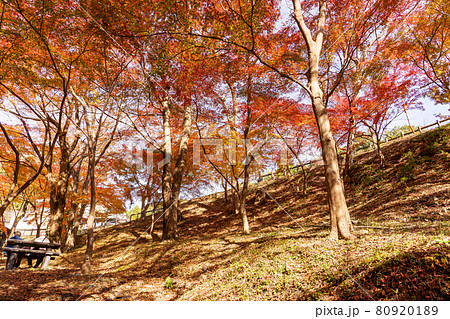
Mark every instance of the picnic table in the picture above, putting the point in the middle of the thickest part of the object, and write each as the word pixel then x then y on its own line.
pixel 25 247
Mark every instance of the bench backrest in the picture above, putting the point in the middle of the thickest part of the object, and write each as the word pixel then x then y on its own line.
pixel 28 243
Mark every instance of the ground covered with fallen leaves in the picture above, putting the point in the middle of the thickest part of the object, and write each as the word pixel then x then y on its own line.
pixel 400 213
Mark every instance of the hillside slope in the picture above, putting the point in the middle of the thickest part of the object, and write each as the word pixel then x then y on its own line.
pixel 401 217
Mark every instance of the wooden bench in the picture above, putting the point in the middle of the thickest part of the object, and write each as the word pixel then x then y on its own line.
pixel 29 247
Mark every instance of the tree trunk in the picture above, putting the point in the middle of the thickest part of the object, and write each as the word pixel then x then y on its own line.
pixel 170 231
pixel 305 180
pixel 145 204
pixel 243 198
pixel 152 227
pixel 168 225
pixel 144 210
pixel 69 241
pixel 350 154
pixel 376 144
pixel 379 152
pixel 248 160
pixel 38 230
pixel 225 190
pixel 243 212
pixel 72 213
pixel 76 212
pixel 233 131
pixel 58 195
pixel 39 218
pixel 373 136
pixel 86 267
pixel 235 196
pixel 340 218
pixel 407 117
pixel 302 166
pixel 287 171
pixel 72 235
pixel 21 214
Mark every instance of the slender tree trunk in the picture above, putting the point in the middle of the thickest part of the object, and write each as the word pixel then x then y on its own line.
pixel 235 196
pixel 167 172
pixel 235 191
pixel 233 131
pixel 380 152
pixel 302 166
pixel 305 180
pixel 340 218
pixel 152 227
pixel 243 212
pixel 170 231
pixel 373 136
pixel 225 190
pixel 287 171
pixel 39 217
pixel 407 117
pixel 376 144
pixel 243 198
pixel 145 204
pixel 21 214
pixel 87 264
pixel 248 161
pixel 96 126
pixel 38 230
pixel 357 90
pixel 350 154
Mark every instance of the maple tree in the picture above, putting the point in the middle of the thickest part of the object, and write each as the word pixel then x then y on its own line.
pixel 23 159
pixel 243 107
pixel 426 44
pixel 373 15
pixel 375 107
pixel 32 205
pixel 246 27
pixel 101 104
pixel 362 53
pixel 234 166
pixel 44 74
pixel 297 131
pixel 381 107
pixel 38 195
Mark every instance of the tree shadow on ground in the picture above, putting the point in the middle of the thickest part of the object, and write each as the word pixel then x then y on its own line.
pixel 420 274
